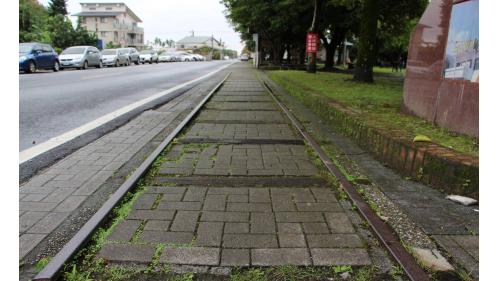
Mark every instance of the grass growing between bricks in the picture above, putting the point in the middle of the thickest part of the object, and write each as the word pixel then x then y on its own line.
pixel 377 105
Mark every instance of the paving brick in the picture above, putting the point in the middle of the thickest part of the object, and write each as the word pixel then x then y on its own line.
pixel 185 221
pixel 195 194
pixel 27 242
pixel 167 237
pixel 37 206
pixel 315 228
pixel 319 207
pixel 259 195
pixel 94 183
pixel 58 195
pixel 225 216
pixel 145 201
pixel 283 203
pixel 227 190
pixel 287 240
pixel 235 257
pixel 34 197
pixel 172 197
pixel 165 189
pixel 249 241
pixel 151 215
pixel 327 257
pixel 128 253
pixel 334 241
pixel 70 204
pixel 124 230
pixel 50 222
pixel 262 223
pixel 28 219
pixel 157 225
pixel 237 198
pixel 275 257
pixel 299 217
pixel 209 234
pixel 339 223
pixel 289 228
pixel 215 203
pixel 324 195
pixel 191 255
pixel 236 227
pixel 251 207
pixel 185 206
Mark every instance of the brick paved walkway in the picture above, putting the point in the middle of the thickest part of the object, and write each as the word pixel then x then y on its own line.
pixel 56 195
pixel 240 135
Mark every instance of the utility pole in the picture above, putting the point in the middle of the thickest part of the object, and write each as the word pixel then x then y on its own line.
pixel 212 50
pixel 222 53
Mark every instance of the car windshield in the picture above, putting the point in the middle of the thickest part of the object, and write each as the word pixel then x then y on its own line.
pixel 126 51
pixel 147 52
pixel 25 48
pixel 108 52
pixel 73 51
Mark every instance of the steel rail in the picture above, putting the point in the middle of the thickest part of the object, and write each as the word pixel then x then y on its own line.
pixel 51 271
pixel 382 230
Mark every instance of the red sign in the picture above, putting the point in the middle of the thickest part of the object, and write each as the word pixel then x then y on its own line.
pixel 312 42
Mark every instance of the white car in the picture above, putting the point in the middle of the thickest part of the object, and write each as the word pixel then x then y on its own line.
pixel 148 56
pixel 166 57
pixel 187 57
pixel 199 57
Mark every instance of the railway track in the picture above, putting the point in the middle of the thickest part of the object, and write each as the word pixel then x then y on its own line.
pixel 382 231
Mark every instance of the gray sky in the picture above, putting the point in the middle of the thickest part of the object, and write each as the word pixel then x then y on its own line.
pixel 175 19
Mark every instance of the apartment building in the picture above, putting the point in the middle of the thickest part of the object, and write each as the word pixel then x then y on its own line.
pixel 112 22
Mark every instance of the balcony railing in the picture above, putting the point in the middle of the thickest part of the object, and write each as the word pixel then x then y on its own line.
pixel 128 27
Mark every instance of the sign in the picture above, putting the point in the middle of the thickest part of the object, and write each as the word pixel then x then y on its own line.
pixel 312 42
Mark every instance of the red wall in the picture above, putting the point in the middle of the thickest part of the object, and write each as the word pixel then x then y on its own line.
pixel 453 104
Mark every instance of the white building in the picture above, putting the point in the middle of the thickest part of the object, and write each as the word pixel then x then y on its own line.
pixel 195 42
pixel 112 22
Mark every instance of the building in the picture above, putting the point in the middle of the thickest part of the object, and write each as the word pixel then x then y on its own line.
pixel 195 42
pixel 112 22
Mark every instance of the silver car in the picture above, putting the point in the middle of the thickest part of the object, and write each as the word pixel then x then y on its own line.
pixel 149 56
pixel 115 57
pixel 133 55
pixel 80 57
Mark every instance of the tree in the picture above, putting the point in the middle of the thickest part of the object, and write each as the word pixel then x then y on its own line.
pixel 32 19
pixel 367 41
pixel 57 7
pixel 111 45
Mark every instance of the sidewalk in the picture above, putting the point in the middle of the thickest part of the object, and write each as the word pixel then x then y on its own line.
pixel 454 227
pixel 239 189
pixel 57 201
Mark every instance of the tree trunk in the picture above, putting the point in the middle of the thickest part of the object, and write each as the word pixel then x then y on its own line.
pixel 367 42
pixel 330 51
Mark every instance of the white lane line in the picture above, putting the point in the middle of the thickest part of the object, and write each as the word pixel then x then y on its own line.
pixel 38 149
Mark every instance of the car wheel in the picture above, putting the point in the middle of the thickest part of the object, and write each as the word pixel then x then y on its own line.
pixel 150 61
pixel 128 63
pixel 56 66
pixel 31 67
pixel 99 65
pixel 116 63
pixel 137 62
pixel 156 61
pixel 85 65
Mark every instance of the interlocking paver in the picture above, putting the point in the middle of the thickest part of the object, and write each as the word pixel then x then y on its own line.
pixel 334 241
pixel 322 257
pixel 235 257
pixel 166 237
pixel 275 257
pixel 185 221
pixel 243 240
pixel 127 253
pixel 209 234
pixel 191 255
pixel 124 231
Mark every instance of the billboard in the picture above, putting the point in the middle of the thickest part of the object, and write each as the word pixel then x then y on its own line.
pixel 462 49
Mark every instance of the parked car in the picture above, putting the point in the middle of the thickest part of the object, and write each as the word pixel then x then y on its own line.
pixel 149 56
pixel 198 57
pixel 114 57
pixel 33 56
pixel 133 55
pixel 187 57
pixel 80 57
pixel 166 57
pixel 244 57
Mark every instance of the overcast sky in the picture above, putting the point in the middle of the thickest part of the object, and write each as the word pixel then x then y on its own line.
pixel 175 19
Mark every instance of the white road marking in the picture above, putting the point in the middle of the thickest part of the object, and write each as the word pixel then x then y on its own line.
pixel 38 149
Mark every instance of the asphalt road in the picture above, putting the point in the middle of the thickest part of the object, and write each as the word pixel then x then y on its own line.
pixel 51 104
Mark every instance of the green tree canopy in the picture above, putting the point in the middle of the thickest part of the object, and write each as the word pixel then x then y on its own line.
pixel 57 7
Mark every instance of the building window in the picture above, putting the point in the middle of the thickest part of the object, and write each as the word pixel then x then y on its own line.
pixel 109 8
pixel 93 9
pixel 103 33
pixel 83 20
pixel 103 20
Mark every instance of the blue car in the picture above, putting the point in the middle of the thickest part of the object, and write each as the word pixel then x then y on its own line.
pixel 33 56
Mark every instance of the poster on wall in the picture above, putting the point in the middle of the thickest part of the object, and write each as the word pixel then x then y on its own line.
pixel 462 49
